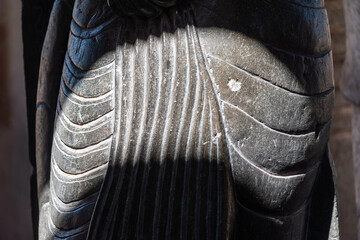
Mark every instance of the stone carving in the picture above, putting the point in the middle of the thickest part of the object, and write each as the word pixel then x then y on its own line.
pixel 185 120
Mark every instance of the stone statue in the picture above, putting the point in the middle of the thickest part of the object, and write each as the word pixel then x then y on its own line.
pixel 199 119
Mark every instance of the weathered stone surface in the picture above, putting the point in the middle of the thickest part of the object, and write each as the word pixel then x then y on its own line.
pixel 281 153
pixel 288 70
pixel 187 124
pixel 261 99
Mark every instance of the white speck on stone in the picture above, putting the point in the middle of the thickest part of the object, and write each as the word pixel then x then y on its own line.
pixel 216 137
pixel 234 85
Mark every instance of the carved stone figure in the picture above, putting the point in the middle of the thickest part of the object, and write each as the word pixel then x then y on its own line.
pixel 203 119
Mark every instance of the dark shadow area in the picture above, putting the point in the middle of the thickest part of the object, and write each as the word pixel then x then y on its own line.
pixel 35 17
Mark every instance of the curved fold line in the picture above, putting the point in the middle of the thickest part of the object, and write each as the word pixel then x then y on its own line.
pixel 90 69
pixel 273 216
pixel 267 81
pixel 89 125
pixel 169 112
pixel 130 111
pixel 100 211
pixel 73 93
pixel 159 93
pixel 171 199
pixel 275 175
pixel 63 234
pixel 210 177
pixel 75 128
pixel 79 172
pixel 56 202
pixel 71 206
pixel 144 109
pixel 81 152
pixel 80 148
pixel 81 177
pixel 291 134
pixel 85 101
pixel 189 145
pixel 315 56
pixel 197 95
pixel 60 110
pixel 228 139
pixel 185 103
pixel 211 129
pixel 201 127
pixel 86 33
pixel 83 74
pixel 43 104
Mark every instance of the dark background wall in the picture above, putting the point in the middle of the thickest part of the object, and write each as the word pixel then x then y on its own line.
pixel 15 170
pixel 340 140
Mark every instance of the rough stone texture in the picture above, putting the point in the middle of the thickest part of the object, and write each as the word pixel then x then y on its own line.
pixel 195 126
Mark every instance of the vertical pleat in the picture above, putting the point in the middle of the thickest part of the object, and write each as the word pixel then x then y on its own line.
pixel 170 152
pixel 145 168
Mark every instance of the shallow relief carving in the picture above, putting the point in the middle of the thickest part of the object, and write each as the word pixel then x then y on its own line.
pixel 175 120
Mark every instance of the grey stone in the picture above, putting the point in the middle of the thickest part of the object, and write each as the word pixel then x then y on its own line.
pixel 192 119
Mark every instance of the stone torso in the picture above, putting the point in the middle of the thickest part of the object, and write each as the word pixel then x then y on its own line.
pixel 187 125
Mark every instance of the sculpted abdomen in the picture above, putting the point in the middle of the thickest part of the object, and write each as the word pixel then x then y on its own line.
pixel 166 122
pixel 276 104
